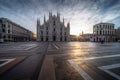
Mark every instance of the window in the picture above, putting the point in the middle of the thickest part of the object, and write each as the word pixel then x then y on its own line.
pixel 9 36
pixel 3 30
pixel 108 32
pixel 46 38
pixel 100 27
pixel 41 33
pixel 46 28
pixel 0 35
pixel 4 36
pixel 8 31
pixel 60 38
pixel 8 26
pixel 54 29
pixel 54 23
pixel 3 25
pixel 0 21
pixel 47 33
pixel 100 32
pixel 103 32
pixel 108 26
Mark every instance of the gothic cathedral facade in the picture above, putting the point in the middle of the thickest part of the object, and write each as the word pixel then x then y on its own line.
pixel 53 29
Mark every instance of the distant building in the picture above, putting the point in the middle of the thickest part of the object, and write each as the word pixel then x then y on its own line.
pixel 10 31
pixel 86 37
pixel 53 29
pixel 74 38
pixel 118 33
pixel 104 32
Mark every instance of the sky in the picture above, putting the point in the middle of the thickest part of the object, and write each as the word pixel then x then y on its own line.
pixel 82 14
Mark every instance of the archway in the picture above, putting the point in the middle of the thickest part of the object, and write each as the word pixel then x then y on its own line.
pixel 65 39
pixel 54 38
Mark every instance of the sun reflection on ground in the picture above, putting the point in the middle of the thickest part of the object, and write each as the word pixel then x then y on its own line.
pixel 81 49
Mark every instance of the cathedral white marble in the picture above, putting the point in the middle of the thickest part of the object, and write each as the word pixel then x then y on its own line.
pixel 53 29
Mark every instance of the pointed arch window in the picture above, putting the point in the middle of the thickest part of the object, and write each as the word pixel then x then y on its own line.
pixel 54 29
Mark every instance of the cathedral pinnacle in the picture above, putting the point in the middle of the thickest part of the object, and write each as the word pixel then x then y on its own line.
pixel 38 21
pixel 68 24
pixel 44 19
pixel 63 21
pixel 58 15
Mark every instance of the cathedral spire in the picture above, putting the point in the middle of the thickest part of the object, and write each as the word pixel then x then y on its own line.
pixel 68 25
pixel 50 13
pixel 38 22
pixel 58 15
pixel 44 19
pixel 38 28
pixel 63 21
pixel 82 32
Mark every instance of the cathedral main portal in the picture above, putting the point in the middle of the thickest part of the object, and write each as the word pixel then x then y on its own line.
pixel 54 38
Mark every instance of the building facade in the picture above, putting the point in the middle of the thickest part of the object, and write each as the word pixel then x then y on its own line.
pixel 86 37
pixel 53 29
pixel 104 32
pixel 10 31
pixel 74 38
pixel 118 34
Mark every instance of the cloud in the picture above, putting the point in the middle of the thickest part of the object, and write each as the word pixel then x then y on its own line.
pixel 82 14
